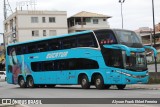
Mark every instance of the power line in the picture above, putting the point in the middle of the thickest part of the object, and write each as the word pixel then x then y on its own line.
pixel 6 8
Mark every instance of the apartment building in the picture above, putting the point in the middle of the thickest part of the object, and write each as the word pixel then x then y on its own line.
pixel 30 25
pixel 157 27
pixel 87 21
pixel 146 35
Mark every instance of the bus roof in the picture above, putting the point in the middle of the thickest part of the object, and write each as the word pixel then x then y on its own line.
pixel 52 37
pixel 63 35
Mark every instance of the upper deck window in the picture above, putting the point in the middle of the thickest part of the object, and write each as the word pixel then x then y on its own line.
pixel 86 40
pixel 80 40
pixel 105 37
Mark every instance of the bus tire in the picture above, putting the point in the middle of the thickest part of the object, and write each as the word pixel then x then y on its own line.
pixel 99 82
pixel 121 87
pixel 51 86
pixel 107 86
pixel 85 82
pixel 30 82
pixel 21 82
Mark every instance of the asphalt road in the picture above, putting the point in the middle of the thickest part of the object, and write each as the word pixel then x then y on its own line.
pixel 73 91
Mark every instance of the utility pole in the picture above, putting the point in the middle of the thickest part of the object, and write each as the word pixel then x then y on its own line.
pixel 154 37
pixel 122 1
pixel 5 17
pixel 5 10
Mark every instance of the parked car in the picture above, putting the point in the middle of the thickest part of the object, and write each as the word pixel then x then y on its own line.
pixel 3 75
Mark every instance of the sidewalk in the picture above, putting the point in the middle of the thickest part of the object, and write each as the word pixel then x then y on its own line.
pixel 145 86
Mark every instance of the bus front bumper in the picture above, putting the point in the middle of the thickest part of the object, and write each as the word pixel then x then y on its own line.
pixel 127 77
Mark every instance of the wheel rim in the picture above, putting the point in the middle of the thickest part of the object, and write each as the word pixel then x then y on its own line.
pixel 21 82
pixel 98 81
pixel 84 81
pixel 30 82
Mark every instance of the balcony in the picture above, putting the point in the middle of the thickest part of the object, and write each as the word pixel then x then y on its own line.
pixel 148 42
pixel 88 26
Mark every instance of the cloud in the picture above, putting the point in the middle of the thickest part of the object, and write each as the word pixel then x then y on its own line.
pixel 137 13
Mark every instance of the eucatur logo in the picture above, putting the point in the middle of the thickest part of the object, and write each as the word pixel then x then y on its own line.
pixel 57 55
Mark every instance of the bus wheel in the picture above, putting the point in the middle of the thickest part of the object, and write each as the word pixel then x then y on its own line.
pixel 121 87
pixel 99 82
pixel 85 82
pixel 51 86
pixel 21 82
pixel 30 82
pixel 107 86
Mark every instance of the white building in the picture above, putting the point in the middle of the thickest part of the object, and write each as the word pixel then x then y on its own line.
pixel 87 21
pixel 30 25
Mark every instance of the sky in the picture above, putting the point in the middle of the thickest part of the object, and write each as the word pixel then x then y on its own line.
pixel 136 13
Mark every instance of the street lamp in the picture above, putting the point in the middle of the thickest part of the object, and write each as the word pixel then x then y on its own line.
pixel 154 38
pixel 121 1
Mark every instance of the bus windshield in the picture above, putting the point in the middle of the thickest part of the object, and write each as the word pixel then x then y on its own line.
pixel 128 38
pixel 136 62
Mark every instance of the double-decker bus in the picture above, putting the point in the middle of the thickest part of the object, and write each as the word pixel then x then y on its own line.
pixel 100 57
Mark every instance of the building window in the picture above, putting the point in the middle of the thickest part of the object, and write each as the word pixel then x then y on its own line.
pixel 34 19
pixel 95 21
pixel 52 32
pixel 88 20
pixel 43 19
pixel 6 27
pixel 51 19
pixel 35 33
pixel 104 20
pixel 11 24
pixel 44 32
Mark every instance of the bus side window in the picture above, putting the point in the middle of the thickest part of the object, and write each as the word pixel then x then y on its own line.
pixel 18 50
pixel 32 48
pixel 42 47
pixel 24 49
pixel 86 40
pixel 48 66
pixel 54 45
pixel 69 42
pixel 36 66
pixel 87 64
pixel 9 50
pixel 72 64
pixel 63 65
